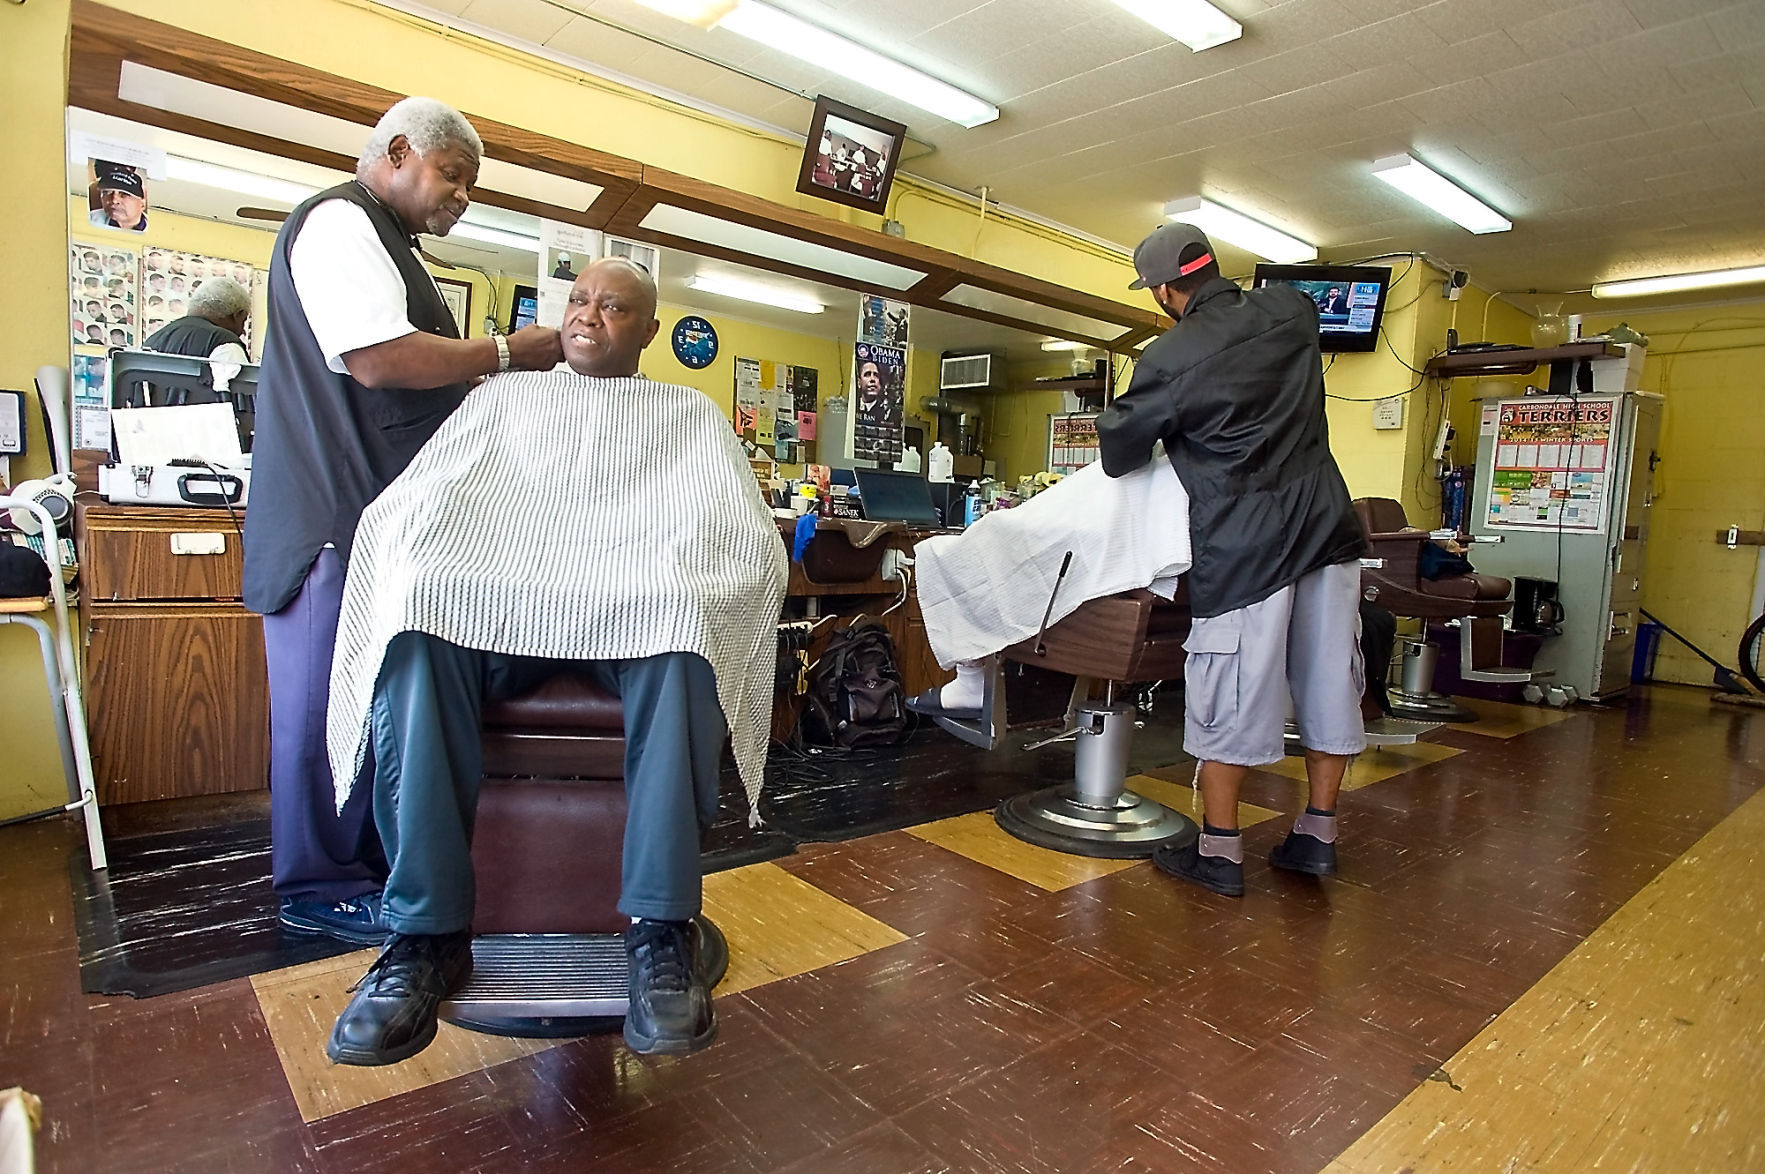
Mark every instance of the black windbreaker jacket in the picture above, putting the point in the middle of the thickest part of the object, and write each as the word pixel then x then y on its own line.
pixel 1235 390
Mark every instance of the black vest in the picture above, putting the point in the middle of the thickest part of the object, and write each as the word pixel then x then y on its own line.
pixel 326 445
pixel 191 335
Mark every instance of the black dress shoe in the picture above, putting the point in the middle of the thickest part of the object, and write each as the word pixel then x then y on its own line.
pixel 1215 873
pixel 670 1012
pixel 930 704
pixel 392 1016
pixel 1302 853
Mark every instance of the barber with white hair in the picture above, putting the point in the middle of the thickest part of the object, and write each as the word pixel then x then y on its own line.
pixel 213 329
pixel 362 364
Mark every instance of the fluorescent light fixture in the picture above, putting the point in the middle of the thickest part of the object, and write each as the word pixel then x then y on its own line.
pixel 1217 220
pixel 1429 187
pixel 775 246
pixel 1674 283
pixel 1196 23
pixel 704 13
pixel 231 179
pixel 1065 344
pixel 748 291
pixel 468 230
pixel 830 51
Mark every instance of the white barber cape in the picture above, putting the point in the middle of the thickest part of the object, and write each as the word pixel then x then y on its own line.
pixel 986 588
pixel 561 516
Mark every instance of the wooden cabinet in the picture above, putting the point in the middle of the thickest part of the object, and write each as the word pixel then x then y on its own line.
pixel 177 694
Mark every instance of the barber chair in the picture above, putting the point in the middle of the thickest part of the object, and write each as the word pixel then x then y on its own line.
pixel 1125 639
pixel 548 953
pixel 1392 579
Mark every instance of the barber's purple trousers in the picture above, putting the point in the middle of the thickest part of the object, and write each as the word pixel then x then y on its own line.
pixel 316 853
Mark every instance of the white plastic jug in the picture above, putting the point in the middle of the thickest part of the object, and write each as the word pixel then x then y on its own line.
pixel 909 462
pixel 939 464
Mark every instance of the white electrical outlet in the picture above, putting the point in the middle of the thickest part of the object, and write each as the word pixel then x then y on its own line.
pixel 892 563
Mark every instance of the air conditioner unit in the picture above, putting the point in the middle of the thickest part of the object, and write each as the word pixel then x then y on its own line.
pixel 972 371
pixel 649 256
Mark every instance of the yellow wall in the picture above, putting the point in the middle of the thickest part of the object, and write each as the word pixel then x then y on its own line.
pixel 33 87
pixel 1707 363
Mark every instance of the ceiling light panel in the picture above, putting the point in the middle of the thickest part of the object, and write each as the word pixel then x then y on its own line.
pixel 1195 23
pixel 177 94
pixel 776 29
pixel 1428 187
pixel 1679 282
pixel 757 292
pixel 1235 228
pixel 757 242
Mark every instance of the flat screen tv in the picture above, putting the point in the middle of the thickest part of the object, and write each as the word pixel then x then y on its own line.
pixel 1350 300
pixel 525 310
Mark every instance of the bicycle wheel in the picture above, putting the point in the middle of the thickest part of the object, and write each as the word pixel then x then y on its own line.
pixel 1752 654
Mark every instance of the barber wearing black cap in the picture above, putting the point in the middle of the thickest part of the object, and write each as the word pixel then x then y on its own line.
pixel 122 199
pixel 1235 392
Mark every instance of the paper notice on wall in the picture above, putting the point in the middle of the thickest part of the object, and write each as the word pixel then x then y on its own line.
pixel 91 402
pixel 565 250
pixel 1491 420
pixel 1552 463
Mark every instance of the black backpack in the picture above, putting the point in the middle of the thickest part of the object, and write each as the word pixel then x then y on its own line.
pixel 855 696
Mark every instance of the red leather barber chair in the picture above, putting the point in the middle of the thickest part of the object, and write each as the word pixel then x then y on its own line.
pixel 548 953
pixel 1125 639
pixel 1392 579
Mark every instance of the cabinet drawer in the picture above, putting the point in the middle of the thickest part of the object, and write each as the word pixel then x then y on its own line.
pixel 189 557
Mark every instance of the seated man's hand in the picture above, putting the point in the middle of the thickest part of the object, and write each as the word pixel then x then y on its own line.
pixel 535 348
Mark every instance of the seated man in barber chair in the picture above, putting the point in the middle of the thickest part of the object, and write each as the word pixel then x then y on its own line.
pixel 586 520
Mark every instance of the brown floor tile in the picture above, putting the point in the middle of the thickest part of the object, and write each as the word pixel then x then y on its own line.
pixel 882 1149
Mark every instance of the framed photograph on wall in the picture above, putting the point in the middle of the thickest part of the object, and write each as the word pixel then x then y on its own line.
pixel 851 155
pixel 458 296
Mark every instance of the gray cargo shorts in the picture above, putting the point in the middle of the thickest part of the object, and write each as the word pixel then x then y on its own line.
pixel 1302 641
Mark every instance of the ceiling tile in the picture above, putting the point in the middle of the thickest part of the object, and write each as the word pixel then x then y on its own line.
pixel 529 20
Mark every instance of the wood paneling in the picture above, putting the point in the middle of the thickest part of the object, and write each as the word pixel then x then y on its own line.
pixel 178 702
pixel 128 555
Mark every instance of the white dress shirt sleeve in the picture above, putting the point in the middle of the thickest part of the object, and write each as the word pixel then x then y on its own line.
pixel 350 288
pixel 225 362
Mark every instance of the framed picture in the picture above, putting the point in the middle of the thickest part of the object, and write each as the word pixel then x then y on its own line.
pixel 850 156
pixel 458 296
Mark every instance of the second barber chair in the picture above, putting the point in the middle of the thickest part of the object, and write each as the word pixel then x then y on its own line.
pixel 1392 579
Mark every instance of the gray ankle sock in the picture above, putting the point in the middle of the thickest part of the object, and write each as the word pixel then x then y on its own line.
pixel 1319 827
pixel 1226 847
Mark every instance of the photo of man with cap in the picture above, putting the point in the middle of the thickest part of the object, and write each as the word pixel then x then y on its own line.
pixel 1235 391
pixel 122 198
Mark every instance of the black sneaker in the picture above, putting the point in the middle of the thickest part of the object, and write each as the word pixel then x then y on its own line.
pixel 1302 853
pixel 670 1012
pixel 1216 873
pixel 356 920
pixel 392 1016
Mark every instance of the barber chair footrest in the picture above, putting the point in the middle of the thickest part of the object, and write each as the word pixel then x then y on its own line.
pixel 1427 707
pixel 1381 731
pixel 1131 827
pixel 558 986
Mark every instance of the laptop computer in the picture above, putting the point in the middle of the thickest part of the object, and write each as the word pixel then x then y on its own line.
pixel 889 496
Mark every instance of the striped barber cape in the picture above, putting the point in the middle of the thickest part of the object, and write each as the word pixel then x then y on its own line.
pixel 562 516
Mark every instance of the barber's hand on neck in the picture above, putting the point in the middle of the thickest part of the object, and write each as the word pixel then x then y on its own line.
pixel 535 348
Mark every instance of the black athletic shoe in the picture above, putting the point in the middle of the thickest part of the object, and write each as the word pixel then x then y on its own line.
pixel 930 704
pixel 392 1016
pixel 670 1012
pixel 1302 853
pixel 356 920
pixel 1222 876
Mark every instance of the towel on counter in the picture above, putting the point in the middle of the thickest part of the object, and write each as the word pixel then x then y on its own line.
pixel 562 516
pixel 986 588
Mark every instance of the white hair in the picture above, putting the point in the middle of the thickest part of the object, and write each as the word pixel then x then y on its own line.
pixel 219 297
pixel 426 124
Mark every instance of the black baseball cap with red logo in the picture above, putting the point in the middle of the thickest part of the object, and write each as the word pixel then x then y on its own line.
pixel 1173 250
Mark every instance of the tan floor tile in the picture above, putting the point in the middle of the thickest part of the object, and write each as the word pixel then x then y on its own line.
pixel 1496 719
pixel 1375 765
pixel 977 837
pixel 300 1005
pixel 1642 1050
pixel 779 925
